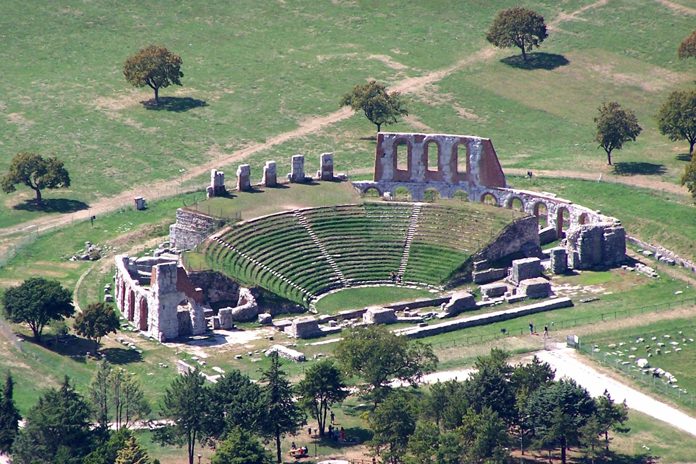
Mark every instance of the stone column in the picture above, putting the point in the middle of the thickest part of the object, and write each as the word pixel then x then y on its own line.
pixel 243 178
pixel 559 260
pixel 297 174
pixel 269 174
pixel 217 184
pixel 326 169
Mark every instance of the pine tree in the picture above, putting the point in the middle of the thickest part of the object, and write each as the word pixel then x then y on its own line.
pixel 132 453
pixel 9 416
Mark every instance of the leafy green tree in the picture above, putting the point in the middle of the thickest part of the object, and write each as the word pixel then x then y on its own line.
pixel 446 404
pixel 107 452
pixel 241 447
pixel 677 117
pixel 132 453
pixel 392 422
pixel 689 178
pixel 153 66
pixel 322 387
pixel 99 393
pixel 484 437
pixel 430 445
pixel 590 440
pixel 36 172
pixel 97 320
pixel 525 380
pixel 611 416
pixel 490 387
pixel 378 105
pixel 281 414
pixel 379 356
pixel 57 429
pixel 615 126
pixel 184 403
pixel 116 397
pixel 687 48
pixel 235 402
pixel 517 27
pixel 36 302
pixel 9 416
pixel 558 412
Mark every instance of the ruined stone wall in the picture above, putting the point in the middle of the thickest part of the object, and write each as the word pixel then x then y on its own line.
pixel 218 289
pixel 190 229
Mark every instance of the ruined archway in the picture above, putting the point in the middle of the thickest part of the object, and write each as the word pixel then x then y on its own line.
pixel 432 149
pixel 562 221
pixel 461 195
pixel 372 192
pixel 431 195
pixel 401 156
pixel 142 316
pixel 541 211
pixel 515 203
pixel 489 199
pixel 122 294
pixel 131 306
pixel 583 218
pixel 402 193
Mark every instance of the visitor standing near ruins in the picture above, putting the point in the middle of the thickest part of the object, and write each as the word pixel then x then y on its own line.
pixel 531 328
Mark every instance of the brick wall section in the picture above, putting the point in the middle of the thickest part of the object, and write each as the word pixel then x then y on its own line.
pixel 191 228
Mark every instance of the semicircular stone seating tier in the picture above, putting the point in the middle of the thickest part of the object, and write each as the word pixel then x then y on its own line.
pixel 304 253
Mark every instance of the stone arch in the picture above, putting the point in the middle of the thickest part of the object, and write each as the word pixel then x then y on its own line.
pixel 583 218
pixel 461 195
pixel 515 202
pixel 432 150
pixel 541 211
pixel 402 193
pixel 431 195
pixel 402 155
pixel 131 305
pixel 372 192
pixel 489 199
pixel 562 220
pixel 460 154
pixel 122 294
pixel 143 313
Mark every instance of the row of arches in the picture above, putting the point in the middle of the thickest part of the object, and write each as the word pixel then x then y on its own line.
pixel 433 156
pixel 128 301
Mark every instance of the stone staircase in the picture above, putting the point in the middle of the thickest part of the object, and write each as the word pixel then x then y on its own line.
pixel 410 233
pixel 277 274
pixel 305 223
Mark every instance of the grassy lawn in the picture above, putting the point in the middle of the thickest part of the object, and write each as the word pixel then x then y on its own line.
pixel 356 298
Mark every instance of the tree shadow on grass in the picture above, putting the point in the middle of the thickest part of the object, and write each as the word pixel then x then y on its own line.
pixel 175 104
pixel 70 346
pixel 683 157
pixel 121 355
pixel 632 168
pixel 52 205
pixel 538 60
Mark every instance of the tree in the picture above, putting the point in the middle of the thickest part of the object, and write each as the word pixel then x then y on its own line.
pixel 184 403
pixel 517 27
pixel 9 416
pixel 687 49
pixel 241 447
pixel 132 453
pixel 57 429
pixel 689 178
pixel 490 387
pixel 124 395
pixel 235 402
pixel 97 320
pixel 36 302
pixel 107 452
pixel 677 117
pixel 281 414
pixel 392 422
pixel 590 438
pixel 36 172
pixel 615 126
pixel 446 403
pixel 154 66
pixel 379 356
pixel 610 416
pixel 99 393
pixel 378 105
pixel 484 437
pixel 321 387
pixel 558 412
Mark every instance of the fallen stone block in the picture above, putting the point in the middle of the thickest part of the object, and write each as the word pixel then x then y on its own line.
pixel 537 287
pixel 378 315
pixel 287 353
pixel 494 290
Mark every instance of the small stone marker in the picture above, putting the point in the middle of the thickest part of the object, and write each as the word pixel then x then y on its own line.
pixel 140 203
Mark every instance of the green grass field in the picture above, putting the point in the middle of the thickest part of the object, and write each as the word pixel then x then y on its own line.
pixel 356 298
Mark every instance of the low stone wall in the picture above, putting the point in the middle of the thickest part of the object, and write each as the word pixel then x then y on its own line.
pixel 660 252
pixel 190 229
pixel 484 319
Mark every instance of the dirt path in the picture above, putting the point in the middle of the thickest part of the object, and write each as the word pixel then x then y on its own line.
pixel 168 188
pixel 677 8
pixel 568 363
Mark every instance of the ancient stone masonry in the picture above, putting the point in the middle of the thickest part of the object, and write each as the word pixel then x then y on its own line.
pixel 270 178
pixel 190 229
pixel 217 184
pixel 167 308
pixel 326 170
pixel 297 174
pixel 451 164
pixel 243 178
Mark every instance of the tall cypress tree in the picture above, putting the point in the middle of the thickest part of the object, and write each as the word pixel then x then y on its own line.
pixel 9 416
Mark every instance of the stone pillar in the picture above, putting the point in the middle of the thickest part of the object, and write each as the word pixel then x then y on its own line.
pixel 326 169
pixel 166 297
pixel 243 178
pixel 559 260
pixel 140 203
pixel 217 184
pixel 269 174
pixel 297 174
